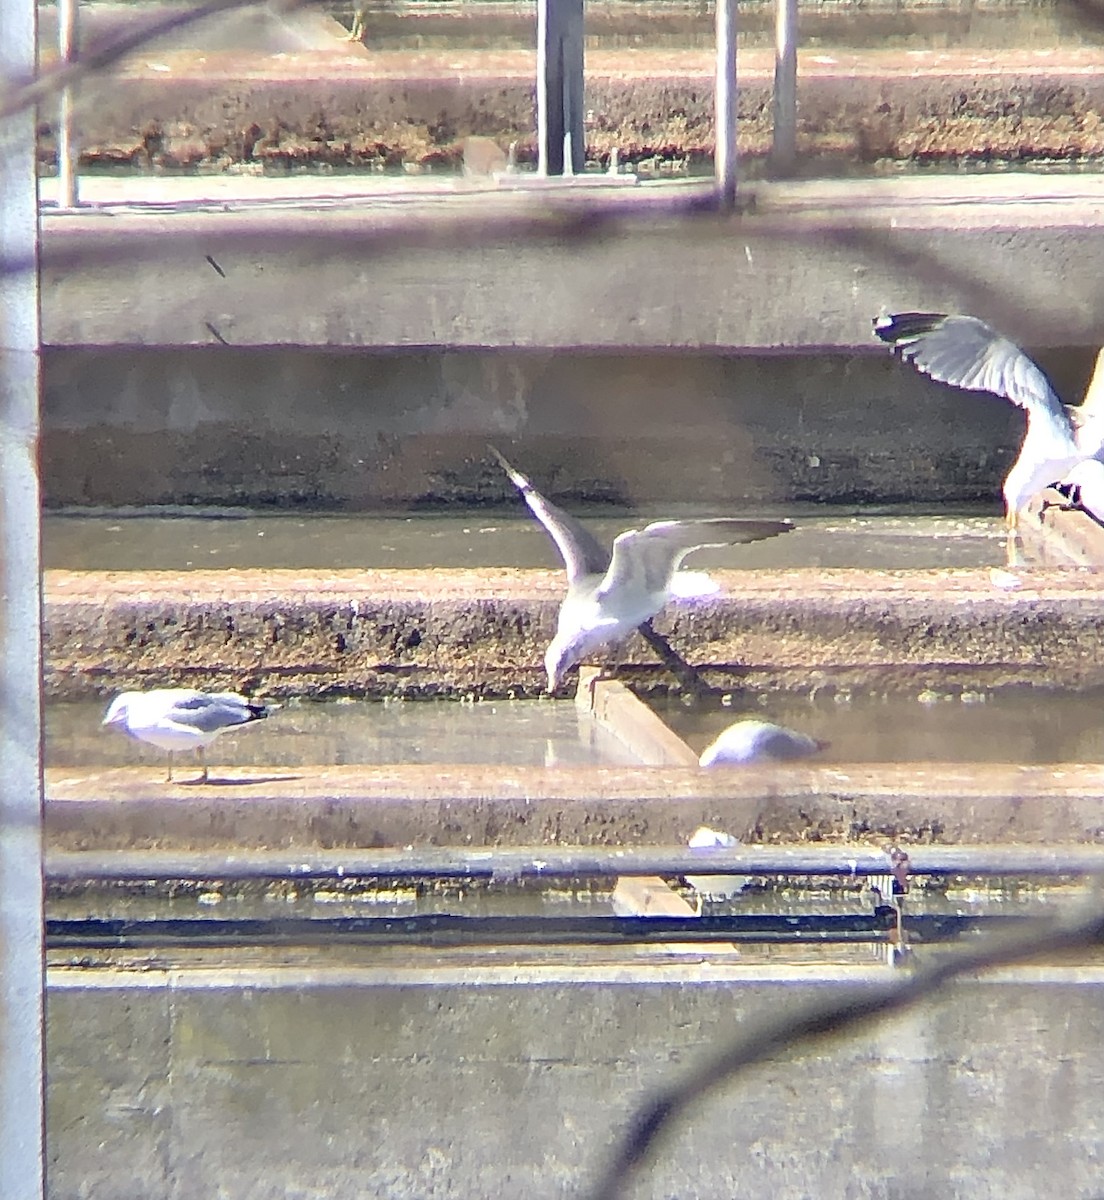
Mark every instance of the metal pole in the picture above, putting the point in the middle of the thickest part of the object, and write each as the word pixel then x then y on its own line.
pixel 68 150
pixel 551 862
pixel 725 95
pixel 784 151
pixel 560 114
pixel 21 963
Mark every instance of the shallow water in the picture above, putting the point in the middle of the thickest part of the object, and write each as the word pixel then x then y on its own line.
pixel 887 539
pixel 1015 725
pixel 509 732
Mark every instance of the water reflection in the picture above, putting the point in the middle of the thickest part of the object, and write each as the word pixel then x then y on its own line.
pixel 510 732
pixel 1014 725
pixel 884 539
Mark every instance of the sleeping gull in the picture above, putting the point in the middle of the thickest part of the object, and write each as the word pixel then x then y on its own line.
pixel 181 718
pixel 611 594
pixel 755 741
pixel 967 353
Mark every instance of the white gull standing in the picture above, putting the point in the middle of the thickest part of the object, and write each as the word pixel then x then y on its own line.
pixel 182 718
pixel 609 594
pixel 967 353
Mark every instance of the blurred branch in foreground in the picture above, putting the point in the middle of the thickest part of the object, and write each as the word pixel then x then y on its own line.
pixel 126 36
pixel 825 1020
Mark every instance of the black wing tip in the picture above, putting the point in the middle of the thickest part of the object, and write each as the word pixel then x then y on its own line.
pixel 898 327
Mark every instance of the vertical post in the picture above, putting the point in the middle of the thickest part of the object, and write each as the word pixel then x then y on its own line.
pixel 784 150
pixel 21 961
pixel 724 156
pixel 68 151
pixel 560 87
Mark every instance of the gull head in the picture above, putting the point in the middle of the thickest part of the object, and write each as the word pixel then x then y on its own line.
pixel 569 647
pixel 557 659
pixel 118 710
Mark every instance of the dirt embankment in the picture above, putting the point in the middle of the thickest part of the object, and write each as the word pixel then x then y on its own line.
pixel 402 109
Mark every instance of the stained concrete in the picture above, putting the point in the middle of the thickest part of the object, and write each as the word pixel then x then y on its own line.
pixel 314 429
pixel 349 353
pixel 484 632
pixel 323 806
pixel 180 1084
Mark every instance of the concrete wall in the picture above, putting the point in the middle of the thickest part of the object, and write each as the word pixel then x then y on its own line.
pixel 336 430
pixel 360 351
pixel 395 1082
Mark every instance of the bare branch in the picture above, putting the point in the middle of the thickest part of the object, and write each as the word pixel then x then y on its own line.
pixel 822 1020
pixel 106 52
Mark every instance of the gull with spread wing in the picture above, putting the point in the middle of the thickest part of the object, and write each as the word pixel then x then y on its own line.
pixel 967 353
pixel 609 594
pixel 182 718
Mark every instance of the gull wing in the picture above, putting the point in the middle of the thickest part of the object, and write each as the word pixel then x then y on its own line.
pixel 1087 418
pixel 648 557
pixel 582 552
pixel 967 353
pixel 209 712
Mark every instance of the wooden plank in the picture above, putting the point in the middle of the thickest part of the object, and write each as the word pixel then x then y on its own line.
pixel 631 721
pixel 1061 537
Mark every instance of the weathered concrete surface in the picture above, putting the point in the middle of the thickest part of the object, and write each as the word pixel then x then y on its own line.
pixel 261 1085
pixel 483 632
pixel 368 107
pixel 332 807
pixel 220 375
pixel 234 427
pixel 634 269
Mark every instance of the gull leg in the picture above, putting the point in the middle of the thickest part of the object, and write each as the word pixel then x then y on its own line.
pixel 688 676
pixel 1013 557
pixel 1012 552
pixel 203 761
pixel 169 778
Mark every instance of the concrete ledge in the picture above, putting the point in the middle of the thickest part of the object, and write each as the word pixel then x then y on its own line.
pixel 483 632
pixel 333 807
pixel 462 271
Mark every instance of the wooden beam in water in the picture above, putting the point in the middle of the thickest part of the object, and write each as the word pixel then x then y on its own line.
pixel 631 721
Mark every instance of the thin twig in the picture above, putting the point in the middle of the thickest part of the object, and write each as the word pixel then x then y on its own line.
pixel 109 51
pixel 655 1115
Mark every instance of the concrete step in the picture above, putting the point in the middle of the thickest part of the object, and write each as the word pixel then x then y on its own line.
pixel 484 632
pixel 328 808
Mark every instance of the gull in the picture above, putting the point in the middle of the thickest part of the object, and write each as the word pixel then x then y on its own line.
pixel 750 741
pixel 182 718
pixel 1083 489
pixel 714 887
pixel 609 594
pixel 967 353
